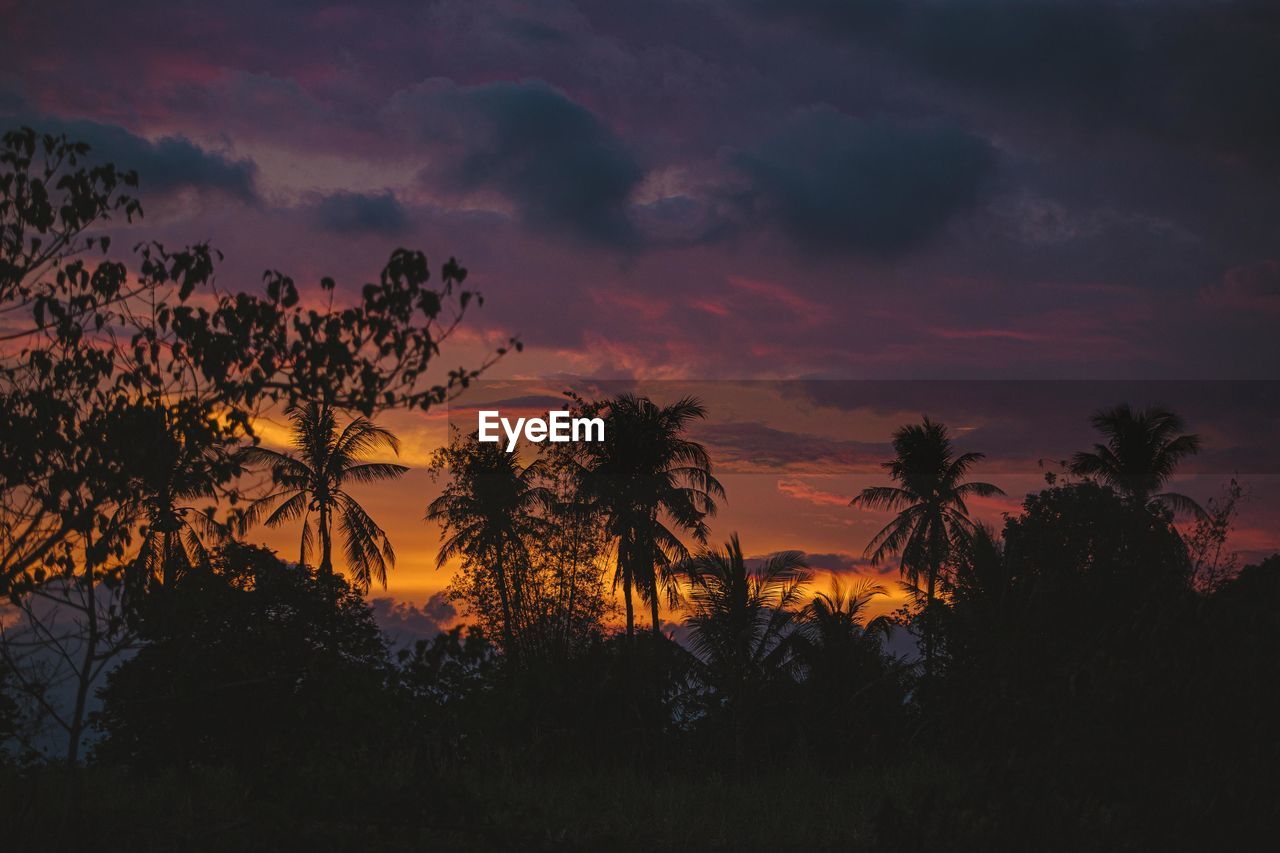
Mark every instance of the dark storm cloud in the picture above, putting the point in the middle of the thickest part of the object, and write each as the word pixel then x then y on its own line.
pixel 1194 72
pixel 167 165
pixel 360 213
pixel 1053 49
pixel 555 160
pixel 834 182
pixel 835 17
pixel 1133 141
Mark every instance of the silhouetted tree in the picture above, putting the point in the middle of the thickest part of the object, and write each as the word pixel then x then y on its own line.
pixel 568 565
pixel 981 577
pixel 176 460
pixel 63 634
pixel 258 664
pixel 650 483
pixel 449 666
pixel 1142 451
pixel 740 622
pixel 92 349
pixel 9 712
pixel 316 481
pixel 85 343
pixel 1213 561
pixel 930 502
pixel 489 512
pixel 850 683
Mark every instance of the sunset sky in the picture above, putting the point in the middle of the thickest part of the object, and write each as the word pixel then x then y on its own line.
pixel 761 202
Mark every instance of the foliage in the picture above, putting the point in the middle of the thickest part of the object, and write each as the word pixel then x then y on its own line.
pixel 1142 450
pixel 929 499
pixel 249 662
pixel 1212 560
pixel 932 514
pixel 490 515
pixel 649 483
pixel 741 618
pixel 316 481
pixel 849 680
pixel 93 350
pixel 1093 680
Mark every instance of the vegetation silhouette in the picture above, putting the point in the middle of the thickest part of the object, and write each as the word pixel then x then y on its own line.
pixel 1091 676
pixel 650 483
pixel 1142 450
pixel 313 481
pixel 740 625
pixel 489 515
pixel 932 516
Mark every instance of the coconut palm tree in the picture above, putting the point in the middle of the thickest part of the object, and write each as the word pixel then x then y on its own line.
pixel 176 534
pixel 849 678
pixel 488 513
pixel 1142 450
pixel 313 481
pixel 929 500
pixel 177 457
pixel 649 483
pixel 741 617
pixel 833 623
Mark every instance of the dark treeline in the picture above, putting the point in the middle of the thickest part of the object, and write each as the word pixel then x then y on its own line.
pixel 1089 675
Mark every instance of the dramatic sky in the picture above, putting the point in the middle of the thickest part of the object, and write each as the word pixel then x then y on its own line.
pixel 761 189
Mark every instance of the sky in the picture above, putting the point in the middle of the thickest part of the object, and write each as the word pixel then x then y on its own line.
pixel 802 195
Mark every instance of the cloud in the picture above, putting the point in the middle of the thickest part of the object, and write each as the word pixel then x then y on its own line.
pixel 1250 287
pixel 404 623
pixel 834 182
pixel 838 562
pixel 359 213
pixel 843 563
pixel 562 168
pixel 749 446
pixel 164 166
pixel 1078 53
pixel 1200 73
pixel 833 17
pixel 802 491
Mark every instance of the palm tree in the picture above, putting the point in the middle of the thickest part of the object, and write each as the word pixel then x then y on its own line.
pixel 649 483
pixel 741 617
pixel 1141 452
pixel 846 668
pixel 488 512
pixel 833 624
pixel 175 534
pixel 314 481
pixel 178 457
pixel 930 503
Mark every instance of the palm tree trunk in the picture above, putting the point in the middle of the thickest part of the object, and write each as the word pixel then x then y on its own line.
pixel 326 551
pixel 166 566
pixel 567 609
pixel 626 596
pixel 653 609
pixel 651 581
pixel 928 622
pixel 508 638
